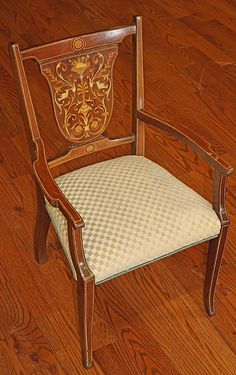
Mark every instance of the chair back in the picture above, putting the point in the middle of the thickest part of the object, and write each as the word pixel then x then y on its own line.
pixel 79 73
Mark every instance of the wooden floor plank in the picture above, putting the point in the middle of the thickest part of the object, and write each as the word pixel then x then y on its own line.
pixel 194 327
pixel 26 346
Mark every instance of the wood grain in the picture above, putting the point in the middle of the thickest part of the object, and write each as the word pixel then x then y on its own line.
pixel 151 321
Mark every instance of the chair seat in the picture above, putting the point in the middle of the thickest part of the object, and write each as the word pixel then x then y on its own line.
pixel 134 212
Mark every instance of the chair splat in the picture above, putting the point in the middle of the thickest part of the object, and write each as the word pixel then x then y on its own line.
pixel 82 92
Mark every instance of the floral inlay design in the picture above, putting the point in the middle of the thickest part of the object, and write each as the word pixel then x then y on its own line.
pixel 81 88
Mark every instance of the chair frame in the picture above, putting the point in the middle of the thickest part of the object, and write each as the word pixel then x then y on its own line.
pixel 46 185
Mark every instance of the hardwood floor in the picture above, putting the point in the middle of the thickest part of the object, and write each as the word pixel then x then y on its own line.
pixel 150 321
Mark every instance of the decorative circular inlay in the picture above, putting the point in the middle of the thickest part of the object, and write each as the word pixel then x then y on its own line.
pixel 78 129
pixel 89 148
pixel 94 124
pixel 78 43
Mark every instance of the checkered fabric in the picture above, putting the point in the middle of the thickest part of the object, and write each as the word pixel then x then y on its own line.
pixel 134 212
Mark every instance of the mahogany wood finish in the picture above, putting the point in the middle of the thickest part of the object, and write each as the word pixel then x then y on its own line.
pixel 222 169
pixel 100 144
pixel 189 74
pixel 196 143
pixel 49 55
pixel 68 46
pixel 214 259
pixel 41 228
pixel 216 245
pixel 85 279
pixel 138 87
pixel 51 189
pixel 42 173
pixel 85 291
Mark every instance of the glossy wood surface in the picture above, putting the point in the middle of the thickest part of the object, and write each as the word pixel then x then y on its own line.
pixel 150 321
pixel 64 47
pixel 82 108
pixel 100 144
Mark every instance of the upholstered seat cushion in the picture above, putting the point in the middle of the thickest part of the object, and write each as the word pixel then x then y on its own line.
pixel 134 212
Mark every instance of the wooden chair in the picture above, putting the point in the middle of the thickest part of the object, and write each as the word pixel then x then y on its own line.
pixel 117 215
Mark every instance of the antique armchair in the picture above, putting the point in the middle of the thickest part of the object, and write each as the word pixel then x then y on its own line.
pixel 114 216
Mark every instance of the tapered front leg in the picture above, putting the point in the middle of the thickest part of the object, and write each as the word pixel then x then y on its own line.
pixel 214 259
pixel 85 291
pixel 41 228
pixel 85 294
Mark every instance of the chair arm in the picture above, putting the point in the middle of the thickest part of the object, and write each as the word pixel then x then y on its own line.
pixel 194 141
pixel 50 188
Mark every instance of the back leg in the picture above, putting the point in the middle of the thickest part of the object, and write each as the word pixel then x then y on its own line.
pixel 41 228
pixel 214 259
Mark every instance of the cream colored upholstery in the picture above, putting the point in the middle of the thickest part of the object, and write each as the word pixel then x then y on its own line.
pixel 134 212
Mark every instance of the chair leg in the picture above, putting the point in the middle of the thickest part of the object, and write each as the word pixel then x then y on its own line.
pixel 41 229
pixel 214 259
pixel 85 292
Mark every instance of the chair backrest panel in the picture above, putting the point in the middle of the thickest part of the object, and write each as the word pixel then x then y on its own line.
pixel 82 92
pixel 79 72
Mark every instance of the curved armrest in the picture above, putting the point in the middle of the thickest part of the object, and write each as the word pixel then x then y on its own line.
pixel 194 141
pixel 50 188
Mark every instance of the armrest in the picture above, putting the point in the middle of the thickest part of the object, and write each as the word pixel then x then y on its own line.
pixel 50 188
pixel 194 141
